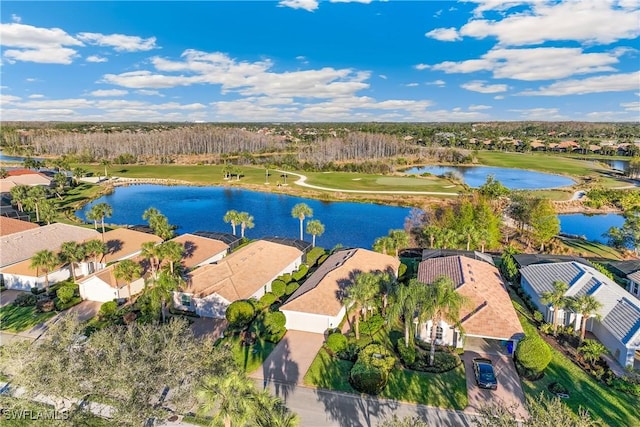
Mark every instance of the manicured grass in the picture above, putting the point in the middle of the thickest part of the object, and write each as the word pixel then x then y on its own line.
pixel 372 182
pixel 18 319
pixel 613 407
pixel 250 357
pixel 551 163
pixel 592 249
pixel 446 390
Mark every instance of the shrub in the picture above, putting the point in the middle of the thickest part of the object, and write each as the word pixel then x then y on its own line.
pixel 267 300
pixel 129 317
pixel 108 309
pixel 537 316
pixel 314 254
pixel 37 291
pixel 349 353
pixel 377 355
pixel 286 278
pixel 367 378
pixel 443 362
pixel 557 388
pixel 25 300
pixel 291 288
pixel 336 342
pixel 240 313
pixel 65 294
pixel 626 386
pixel 371 325
pixel 322 259
pixel 274 321
pixel 61 306
pixel 302 271
pixel 278 287
pixel 45 306
pixel 591 350
pixel 407 354
pixel 546 328
pixel 402 270
pixel 533 354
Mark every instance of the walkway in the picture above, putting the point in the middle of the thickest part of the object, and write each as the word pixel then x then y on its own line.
pixel 302 182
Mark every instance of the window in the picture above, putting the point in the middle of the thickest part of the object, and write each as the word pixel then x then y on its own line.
pixel 634 288
pixel 439 332
pixel 185 300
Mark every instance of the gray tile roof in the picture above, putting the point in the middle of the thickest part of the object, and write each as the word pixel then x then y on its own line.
pixel 620 311
pixel 623 321
pixel 430 269
pixel 624 268
pixel 634 276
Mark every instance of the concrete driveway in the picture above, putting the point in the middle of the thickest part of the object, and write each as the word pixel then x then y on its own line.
pixel 85 310
pixel 509 392
pixel 9 296
pixel 290 359
pixel 205 327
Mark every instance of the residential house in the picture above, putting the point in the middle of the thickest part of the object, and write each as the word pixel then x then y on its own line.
pixel 103 286
pixel 11 225
pixel 488 320
pixel 316 305
pixel 199 250
pixel 619 325
pixel 629 272
pixel 634 284
pixel 17 249
pixel 23 177
pixel 246 273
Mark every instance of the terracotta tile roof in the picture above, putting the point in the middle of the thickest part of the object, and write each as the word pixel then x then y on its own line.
pixel 11 225
pixel 20 246
pixel 198 249
pixel 23 268
pixel 490 313
pixel 323 297
pixel 244 272
pixel 17 172
pixel 123 243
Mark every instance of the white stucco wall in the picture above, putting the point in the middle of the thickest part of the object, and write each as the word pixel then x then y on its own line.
pixel 214 258
pixel 94 289
pixel 25 283
pixel 309 322
pixel 448 334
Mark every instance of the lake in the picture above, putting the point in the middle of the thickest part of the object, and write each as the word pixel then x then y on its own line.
pixel 202 208
pixel 514 179
pixel 590 226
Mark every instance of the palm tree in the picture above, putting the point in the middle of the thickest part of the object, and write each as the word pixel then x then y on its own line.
pixel 231 397
pixel 315 228
pixel 301 211
pixel 359 296
pixel 557 300
pixel 35 195
pixel 473 235
pixel 587 306
pixel 591 350
pixel 92 215
pixel 446 238
pixel 101 210
pixel 383 245
pixel 171 251
pixel 400 240
pixel 19 196
pixel 151 253
pixel 72 252
pixel 127 270
pixel 442 303
pixel 106 163
pixel 46 261
pixel 159 223
pixel 246 221
pixel 431 231
pixel 47 211
pixel 160 289
pixel 386 285
pixel 404 303
pixel 78 173
pixel 232 217
pixel 94 248
pixel 271 411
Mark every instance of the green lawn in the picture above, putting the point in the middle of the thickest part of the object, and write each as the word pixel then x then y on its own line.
pixel 372 182
pixel 613 407
pixel 592 249
pixel 250 357
pixel 18 319
pixel 551 163
pixel 447 390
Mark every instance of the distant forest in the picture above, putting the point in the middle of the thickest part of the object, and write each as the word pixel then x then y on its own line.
pixel 369 147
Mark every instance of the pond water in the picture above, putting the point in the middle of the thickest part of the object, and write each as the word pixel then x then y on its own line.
pixel 202 208
pixel 590 226
pixel 514 179
pixel 18 159
pixel 621 165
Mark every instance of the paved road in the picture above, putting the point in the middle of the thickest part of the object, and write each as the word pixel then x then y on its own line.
pixel 301 182
pixel 323 408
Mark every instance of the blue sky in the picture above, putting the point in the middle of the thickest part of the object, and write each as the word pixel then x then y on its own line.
pixel 309 60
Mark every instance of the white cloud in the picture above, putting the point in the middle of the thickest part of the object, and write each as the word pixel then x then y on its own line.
pixel 412 84
pixel 36 96
pixel 439 83
pixel 382 76
pixel 497 5
pixel 608 83
pixel 147 92
pixel 421 67
pixel 16 18
pixel 498 97
pixel 96 58
pixel 631 106
pixel 109 92
pixel 120 42
pixel 246 78
pixel 587 21
pixel 479 107
pixel 444 34
pixel 350 1
pixel 8 99
pixel 542 63
pixel 33 44
pixel 480 86
pixel 31 80
pixel 607 116
pixel 308 5
pixel 540 114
